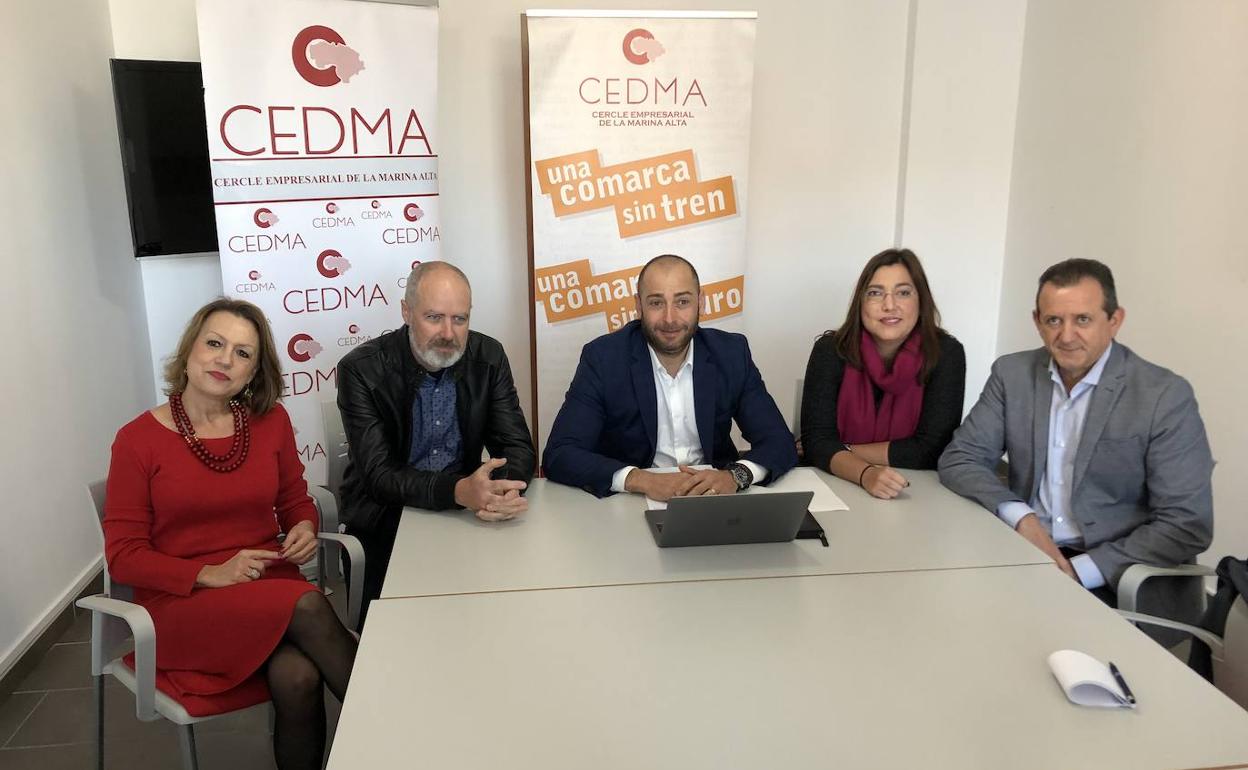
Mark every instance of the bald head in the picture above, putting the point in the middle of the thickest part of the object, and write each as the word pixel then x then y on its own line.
pixel 665 262
pixel 435 270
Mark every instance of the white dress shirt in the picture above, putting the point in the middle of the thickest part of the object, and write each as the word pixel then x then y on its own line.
pixel 677 440
pixel 1067 414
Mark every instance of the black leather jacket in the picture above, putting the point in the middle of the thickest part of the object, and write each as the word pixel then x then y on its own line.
pixel 377 383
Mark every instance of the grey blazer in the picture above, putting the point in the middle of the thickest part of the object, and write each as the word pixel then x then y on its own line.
pixel 1142 487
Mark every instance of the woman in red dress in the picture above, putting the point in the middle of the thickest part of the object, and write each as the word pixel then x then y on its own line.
pixel 199 491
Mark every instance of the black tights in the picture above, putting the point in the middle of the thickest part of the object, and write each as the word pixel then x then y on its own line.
pixel 316 650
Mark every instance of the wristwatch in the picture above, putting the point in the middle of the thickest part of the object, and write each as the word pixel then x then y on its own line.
pixel 741 474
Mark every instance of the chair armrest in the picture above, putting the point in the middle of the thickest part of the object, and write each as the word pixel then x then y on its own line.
pixel 1208 637
pixel 1136 574
pixel 327 506
pixel 355 557
pixel 144 634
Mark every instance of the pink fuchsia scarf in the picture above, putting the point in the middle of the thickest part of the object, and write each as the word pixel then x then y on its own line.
pixel 858 419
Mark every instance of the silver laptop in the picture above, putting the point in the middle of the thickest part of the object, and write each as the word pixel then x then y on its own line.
pixel 729 519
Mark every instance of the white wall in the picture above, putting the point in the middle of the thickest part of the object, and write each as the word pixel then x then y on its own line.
pixel 75 363
pixel 967 57
pixel 824 151
pixel 154 29
pixel 1131 150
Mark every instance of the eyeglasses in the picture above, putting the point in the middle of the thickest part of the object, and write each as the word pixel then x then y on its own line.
pixel 874 296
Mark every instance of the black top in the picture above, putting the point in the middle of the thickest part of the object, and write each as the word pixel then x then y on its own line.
pixel 377 383
pixel 940 415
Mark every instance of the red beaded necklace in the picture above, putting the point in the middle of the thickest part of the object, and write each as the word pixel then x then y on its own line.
pixel 219 463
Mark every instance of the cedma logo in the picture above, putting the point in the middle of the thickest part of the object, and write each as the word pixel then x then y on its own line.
pixel 331 209
pixel 254 284
pixel 412 212
pixel 302 348
pixel 264 218
pixel 353 337
pixel 640 47
pixel 331 263
pixel 323 58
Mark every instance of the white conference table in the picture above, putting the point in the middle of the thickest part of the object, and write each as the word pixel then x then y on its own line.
pixel 939 669
pixel 568 538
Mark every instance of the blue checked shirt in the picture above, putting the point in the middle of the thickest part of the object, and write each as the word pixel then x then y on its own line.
pixel 436 441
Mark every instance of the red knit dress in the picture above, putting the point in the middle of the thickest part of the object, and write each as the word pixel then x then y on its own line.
pixel 167 515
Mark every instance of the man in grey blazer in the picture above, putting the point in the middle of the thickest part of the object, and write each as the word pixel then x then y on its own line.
pixel 1108 460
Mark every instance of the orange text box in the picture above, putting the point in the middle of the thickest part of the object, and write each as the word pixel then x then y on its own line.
pixel 577 183
pixel 571 290
pixel 670 207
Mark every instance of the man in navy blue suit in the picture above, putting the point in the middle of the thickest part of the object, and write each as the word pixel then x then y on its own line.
pixel 662 393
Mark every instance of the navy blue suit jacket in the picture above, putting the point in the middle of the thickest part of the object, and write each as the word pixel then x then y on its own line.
pixel 609 419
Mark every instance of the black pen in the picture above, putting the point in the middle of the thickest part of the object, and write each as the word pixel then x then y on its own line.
pixel 1122 683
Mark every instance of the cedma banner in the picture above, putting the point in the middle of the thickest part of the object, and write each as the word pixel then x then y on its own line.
pixel 639 135
pixel 325 174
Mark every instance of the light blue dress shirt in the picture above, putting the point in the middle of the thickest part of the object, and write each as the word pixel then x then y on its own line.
pixel 1067 414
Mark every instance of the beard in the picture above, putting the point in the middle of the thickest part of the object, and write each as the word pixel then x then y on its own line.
pixel 438 354
pixel 660 345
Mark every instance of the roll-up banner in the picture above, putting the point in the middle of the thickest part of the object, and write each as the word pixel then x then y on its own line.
pixel 638 145
pixel 321 118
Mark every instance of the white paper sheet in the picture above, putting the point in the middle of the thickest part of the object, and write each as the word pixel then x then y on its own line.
pixel 1086 680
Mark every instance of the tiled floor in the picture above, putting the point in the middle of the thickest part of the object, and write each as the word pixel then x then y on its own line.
pixel 48 722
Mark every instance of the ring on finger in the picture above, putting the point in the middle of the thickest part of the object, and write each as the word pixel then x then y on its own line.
pixel 253 573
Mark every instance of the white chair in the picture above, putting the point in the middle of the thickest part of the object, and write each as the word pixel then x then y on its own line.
pixel 115 617
pixel 327 496
pixel 336 445
pixel 1229 652
pixel 797 408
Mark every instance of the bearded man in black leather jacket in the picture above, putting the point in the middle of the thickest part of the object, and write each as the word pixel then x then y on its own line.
pixel 418 405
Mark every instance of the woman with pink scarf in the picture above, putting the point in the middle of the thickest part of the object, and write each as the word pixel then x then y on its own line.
pixel 884 391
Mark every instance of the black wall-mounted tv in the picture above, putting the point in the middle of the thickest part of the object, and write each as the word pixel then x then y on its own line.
pixel 164 155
